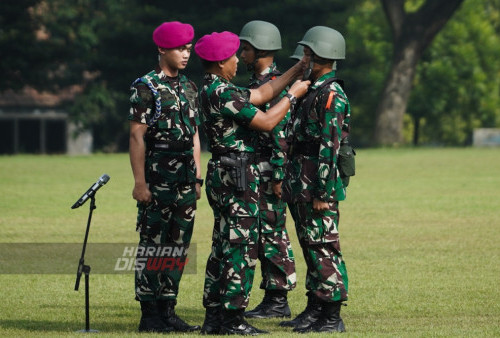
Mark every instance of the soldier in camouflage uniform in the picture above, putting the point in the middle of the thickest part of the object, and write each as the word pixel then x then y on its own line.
pixel 260 40
pixel 314 185
pixel 232 120
pixel 165 160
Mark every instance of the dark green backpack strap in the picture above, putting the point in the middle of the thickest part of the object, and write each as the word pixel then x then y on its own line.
pixel 308 103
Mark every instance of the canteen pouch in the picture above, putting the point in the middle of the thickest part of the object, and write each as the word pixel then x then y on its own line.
pixel 347 165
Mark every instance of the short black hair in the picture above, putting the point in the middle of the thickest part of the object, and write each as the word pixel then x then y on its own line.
pixel 206 64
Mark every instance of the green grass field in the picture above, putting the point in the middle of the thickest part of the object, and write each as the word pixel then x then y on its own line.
pixel 420 232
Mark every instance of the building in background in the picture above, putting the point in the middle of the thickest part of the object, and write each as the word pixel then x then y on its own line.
pixel 34 122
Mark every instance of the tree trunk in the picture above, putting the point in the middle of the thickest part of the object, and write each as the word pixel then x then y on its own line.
pixel 412 34
pixel 397 90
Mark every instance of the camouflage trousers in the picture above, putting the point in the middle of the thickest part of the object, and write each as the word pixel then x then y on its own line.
pixel 168 220
pixel 318 236
pixel 231 264
pixel 275 251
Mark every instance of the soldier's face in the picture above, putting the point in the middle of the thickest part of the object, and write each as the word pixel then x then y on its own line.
pixel 177 58
pixel 308 56
pixel 230 67
pixel 247 53
pixel 308 53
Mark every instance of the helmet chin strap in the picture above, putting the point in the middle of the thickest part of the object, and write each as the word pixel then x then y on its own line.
pixel 308 71
pixel 252 66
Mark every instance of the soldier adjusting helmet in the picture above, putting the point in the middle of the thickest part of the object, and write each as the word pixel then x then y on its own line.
pixel 261 35
pixel 325 42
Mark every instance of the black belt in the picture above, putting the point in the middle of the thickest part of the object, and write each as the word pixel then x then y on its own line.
pixel 264 152
pixel 251 157
pixel 305 148
pixel 174 146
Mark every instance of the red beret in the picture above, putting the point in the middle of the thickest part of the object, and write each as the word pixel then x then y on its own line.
pixel 173 34
pixel 217 46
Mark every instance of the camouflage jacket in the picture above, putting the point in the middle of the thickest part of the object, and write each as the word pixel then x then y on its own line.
pixel 179 116
pixel 322 127
pixel 227 114
pixel 275 140
pixel 169 107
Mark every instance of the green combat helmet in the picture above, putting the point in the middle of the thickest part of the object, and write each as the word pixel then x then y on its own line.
pixel 325 42
pixel 261 35
pixel 298 53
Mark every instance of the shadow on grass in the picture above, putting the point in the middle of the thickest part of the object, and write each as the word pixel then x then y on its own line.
pixel 66 326
pixel 110 319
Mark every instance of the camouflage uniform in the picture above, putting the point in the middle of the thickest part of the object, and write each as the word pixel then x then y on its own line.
pixel 170 172
pixel 275 250
pixel 316 135
pixel 231 263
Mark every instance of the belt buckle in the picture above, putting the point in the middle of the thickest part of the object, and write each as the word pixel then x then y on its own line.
pixel 162 146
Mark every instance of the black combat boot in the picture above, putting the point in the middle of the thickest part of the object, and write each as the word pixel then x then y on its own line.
pixel 167 312
pixel 151 320
pixel 213 320
pixel 273 305
pixel 310 314
pixel 233 322
pixel 329 320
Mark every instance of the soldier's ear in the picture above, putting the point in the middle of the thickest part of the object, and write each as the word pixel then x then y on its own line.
pixel 262 53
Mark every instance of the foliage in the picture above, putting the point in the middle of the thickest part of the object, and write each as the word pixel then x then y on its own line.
pixel 17 32
pixel 368 50
pixel 458 84
pixel 104 45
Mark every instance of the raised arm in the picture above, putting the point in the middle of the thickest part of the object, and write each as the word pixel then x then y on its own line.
pixel 271 89
pixel 268 120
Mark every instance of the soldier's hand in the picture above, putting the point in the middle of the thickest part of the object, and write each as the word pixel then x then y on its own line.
pixel 198 191
pixel 277 188
pixel 141 193
pixel 299 88
pixel 300 67
pixel 320 206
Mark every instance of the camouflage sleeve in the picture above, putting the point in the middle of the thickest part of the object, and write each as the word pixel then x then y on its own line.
pixel 194 103
pixel 236 105
pixel 141 103
pixel 332 106
pixel 280 148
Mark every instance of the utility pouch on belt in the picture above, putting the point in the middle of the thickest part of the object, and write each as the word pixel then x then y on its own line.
pixel 347 165
pixel 238 165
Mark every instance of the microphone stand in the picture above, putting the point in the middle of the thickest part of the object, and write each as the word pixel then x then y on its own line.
pixel 82 268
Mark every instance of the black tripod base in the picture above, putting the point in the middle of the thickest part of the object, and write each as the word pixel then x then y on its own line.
pixel 85 269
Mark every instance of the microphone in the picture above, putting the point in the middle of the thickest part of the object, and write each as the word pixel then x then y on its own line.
pixel 92 190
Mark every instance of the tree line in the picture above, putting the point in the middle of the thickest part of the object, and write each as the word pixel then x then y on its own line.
pixel 416 72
